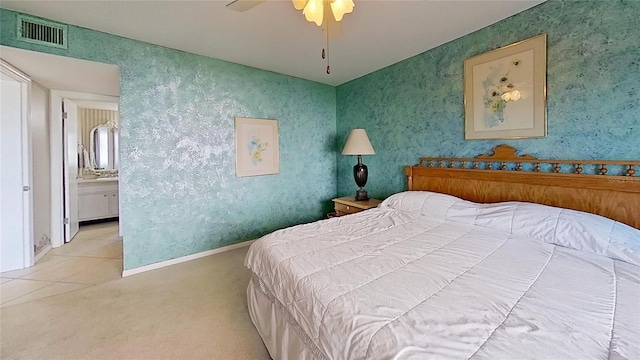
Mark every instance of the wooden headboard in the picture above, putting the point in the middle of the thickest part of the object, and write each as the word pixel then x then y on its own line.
pixel 506 176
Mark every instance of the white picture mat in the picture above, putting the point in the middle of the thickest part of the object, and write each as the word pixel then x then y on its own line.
pixel 257 149
pixel 524 118
pixel 518 115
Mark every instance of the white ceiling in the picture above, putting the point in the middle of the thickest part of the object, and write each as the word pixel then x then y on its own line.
pixel 274 36
pixel 64 73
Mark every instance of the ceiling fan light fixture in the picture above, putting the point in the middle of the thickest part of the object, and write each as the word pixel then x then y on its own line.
pixel 299 4
pixel 314 11
pixel 341 7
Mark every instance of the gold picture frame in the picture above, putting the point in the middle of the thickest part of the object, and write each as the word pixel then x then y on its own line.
pixel 257 149
pixel 505 94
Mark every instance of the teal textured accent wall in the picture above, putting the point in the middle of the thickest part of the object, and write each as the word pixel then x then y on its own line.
pixel 179 193
pixel 415 108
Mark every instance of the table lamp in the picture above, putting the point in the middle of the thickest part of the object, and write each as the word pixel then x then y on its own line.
pixel 358 144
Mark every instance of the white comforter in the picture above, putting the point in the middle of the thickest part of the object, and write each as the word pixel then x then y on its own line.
pixel 391 284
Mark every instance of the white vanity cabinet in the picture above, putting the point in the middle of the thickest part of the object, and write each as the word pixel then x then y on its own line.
pixel 97 199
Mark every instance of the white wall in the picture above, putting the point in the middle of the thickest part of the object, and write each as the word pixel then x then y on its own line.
pixel 41 165
pixel 12 249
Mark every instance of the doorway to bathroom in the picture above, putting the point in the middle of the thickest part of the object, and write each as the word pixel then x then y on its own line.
pixel 56 80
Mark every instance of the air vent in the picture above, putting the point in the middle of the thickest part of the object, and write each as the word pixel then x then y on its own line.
pixel 42 32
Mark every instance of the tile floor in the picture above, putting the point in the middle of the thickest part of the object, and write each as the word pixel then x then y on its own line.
pixel 94 256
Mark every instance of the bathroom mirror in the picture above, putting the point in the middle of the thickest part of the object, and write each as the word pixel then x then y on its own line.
pixel 103 149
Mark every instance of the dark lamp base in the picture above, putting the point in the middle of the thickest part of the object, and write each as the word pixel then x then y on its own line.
pixel 360 174
pixel 361 195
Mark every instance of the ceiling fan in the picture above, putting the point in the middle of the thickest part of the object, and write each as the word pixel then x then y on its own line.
pixel 244 5
pixel 313 11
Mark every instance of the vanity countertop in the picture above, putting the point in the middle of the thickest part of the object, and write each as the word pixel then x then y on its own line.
pixel 98 180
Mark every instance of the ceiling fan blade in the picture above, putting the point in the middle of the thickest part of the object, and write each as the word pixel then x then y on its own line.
pixel 243 5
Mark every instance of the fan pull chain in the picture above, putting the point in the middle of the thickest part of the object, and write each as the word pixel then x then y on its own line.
pixel 325 54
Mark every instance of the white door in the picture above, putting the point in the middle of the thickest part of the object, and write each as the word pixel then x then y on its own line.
pixel 71 174
pixel 16 242
pixel 59 174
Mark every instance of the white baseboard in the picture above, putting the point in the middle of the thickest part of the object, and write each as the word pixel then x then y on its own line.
pixel 42 253
pixel 182 259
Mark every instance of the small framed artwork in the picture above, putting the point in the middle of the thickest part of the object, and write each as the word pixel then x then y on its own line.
pixel 256 147
pixel 505 92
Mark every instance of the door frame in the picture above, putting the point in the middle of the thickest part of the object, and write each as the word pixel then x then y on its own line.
pixel 27 181
pixel 57 154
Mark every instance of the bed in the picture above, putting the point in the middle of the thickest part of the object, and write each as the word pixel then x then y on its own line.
pixel 487 258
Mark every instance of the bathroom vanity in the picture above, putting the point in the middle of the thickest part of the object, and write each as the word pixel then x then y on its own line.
pixel 98 199
pixel 98 190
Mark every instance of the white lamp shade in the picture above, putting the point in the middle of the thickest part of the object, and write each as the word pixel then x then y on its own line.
pixel 358 144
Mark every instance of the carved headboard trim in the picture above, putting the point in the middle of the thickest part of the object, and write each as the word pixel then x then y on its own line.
pixel 506 176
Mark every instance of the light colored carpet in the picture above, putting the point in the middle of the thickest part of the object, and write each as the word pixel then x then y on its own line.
pixel 193 310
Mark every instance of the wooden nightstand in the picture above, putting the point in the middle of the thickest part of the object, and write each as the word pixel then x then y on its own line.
pixel 348 205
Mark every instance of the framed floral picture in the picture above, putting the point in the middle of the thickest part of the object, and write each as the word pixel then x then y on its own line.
pixel 256 147
pixel 505 92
